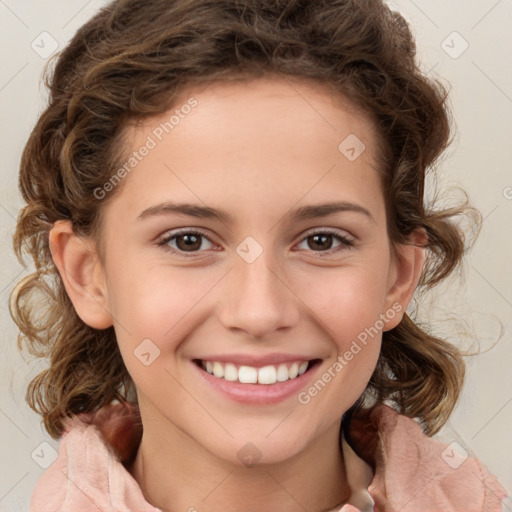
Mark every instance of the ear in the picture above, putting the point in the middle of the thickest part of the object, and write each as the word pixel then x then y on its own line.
pixel 404 276
pixel 82 274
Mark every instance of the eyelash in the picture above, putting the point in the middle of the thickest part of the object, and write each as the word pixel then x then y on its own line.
pixel 345 242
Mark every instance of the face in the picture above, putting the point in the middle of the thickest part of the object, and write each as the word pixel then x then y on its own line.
pixel 255 278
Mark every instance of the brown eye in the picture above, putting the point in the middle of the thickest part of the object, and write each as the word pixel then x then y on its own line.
pixel 322 241
pixel 185 242
pixel 188 242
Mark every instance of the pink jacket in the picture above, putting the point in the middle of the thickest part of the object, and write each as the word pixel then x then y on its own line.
pixel 392 466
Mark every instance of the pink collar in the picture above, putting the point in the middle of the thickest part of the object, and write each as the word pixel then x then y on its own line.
pixel 391 466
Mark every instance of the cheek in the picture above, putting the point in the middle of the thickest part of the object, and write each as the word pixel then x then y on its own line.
pixel 151 301
pixel 348 306
pixel 347 300
pixel 153 309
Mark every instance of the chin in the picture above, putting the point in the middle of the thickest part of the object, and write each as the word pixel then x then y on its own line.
pixel 263 449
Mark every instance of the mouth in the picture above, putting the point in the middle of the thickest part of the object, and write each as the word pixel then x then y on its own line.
pixel 265 375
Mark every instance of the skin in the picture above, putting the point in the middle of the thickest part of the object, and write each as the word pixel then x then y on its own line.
pixel 259 150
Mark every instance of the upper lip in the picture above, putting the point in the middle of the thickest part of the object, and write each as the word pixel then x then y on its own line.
pixel 255 360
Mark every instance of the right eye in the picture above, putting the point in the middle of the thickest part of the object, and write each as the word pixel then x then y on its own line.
pixel 184 241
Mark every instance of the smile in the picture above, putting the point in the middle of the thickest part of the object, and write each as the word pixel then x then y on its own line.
pixel 270 374
pixel 257 380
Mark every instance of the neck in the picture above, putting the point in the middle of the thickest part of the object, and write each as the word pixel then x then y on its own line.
pixel 175 473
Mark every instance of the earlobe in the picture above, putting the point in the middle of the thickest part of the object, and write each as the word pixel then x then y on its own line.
pixel 407 272
pixel 82 274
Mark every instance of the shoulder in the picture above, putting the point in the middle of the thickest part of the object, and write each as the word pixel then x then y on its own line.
pixel 80 450
pixel 414 472
pixel 88 472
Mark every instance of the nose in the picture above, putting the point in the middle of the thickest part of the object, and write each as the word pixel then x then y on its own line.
pixel 257 300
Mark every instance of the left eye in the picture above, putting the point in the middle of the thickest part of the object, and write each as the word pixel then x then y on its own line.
pixel 322 238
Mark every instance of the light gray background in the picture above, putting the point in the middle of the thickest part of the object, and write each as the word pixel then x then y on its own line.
pixel 479 161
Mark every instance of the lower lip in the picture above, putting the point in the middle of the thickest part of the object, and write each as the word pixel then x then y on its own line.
pixel 258 393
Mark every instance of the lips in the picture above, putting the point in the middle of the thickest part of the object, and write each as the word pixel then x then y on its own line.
pixel 264 393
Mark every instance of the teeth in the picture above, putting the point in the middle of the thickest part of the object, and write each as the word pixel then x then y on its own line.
pixel 230 372
pixel 282 373
pixel 218 370
pixel 249 375
pixel 267 375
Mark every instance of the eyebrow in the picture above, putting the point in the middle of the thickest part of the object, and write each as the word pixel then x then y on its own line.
pixel 205 212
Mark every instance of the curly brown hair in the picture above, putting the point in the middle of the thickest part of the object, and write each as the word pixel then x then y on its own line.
pixel 131 61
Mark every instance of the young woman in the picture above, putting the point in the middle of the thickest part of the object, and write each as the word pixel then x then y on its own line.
pixel 225 209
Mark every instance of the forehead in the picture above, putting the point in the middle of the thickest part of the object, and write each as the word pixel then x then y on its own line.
pixel 240 139
pixel 260 107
